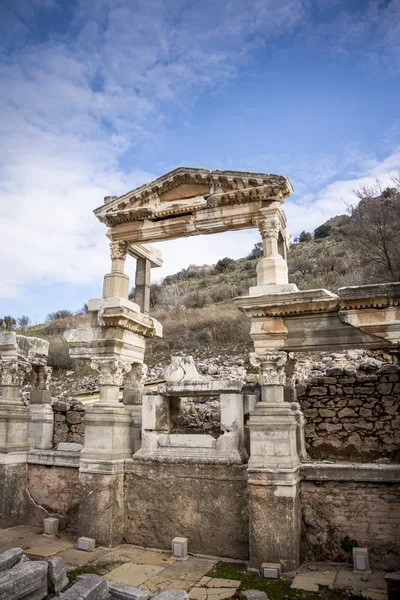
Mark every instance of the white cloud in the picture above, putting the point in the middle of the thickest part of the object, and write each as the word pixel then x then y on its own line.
pixel 309 211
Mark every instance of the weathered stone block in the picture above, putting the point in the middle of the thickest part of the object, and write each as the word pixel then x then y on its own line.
pixel 122 591
pixel 57 578
pixel 318 391
pixel 10 558
pixel 27 581
pixel 74 417
pixel 50 526
pixel 346 412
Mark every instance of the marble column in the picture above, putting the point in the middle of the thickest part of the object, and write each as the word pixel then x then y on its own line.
pixel 272 268
pixel 107 443
pixel 273 469
pixel 116 283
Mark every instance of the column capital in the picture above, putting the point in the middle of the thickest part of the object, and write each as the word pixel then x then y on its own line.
pixel 272 367
pixel 269 228
pixel 118 250
pixel 13 372
pixel 111 369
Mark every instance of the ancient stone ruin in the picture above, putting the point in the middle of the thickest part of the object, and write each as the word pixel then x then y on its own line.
pixel 257 490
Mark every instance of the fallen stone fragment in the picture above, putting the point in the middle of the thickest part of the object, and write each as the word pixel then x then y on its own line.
pixel 254 595
pixel 25 581
pixel 57 578
pixel 172 595
pixel 88 587
pixel 10 558
pixel 122 591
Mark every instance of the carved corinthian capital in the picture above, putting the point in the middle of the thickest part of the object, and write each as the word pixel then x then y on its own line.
pixel 111 369
pixel 135 378
pixel 13 372
pixel 272 367
pixel 269 228
pixel 118 250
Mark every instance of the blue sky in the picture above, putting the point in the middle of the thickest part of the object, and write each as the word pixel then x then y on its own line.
pixel 100 96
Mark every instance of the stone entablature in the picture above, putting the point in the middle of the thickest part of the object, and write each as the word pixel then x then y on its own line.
pixel 190 201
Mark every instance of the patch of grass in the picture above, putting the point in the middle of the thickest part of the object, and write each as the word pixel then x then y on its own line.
pixel 93 569
pixel 275 589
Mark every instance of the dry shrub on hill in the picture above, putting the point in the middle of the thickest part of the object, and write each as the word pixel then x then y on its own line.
pixel 189 328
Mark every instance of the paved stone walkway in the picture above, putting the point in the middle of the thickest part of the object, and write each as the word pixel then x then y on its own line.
pixel 311 576
pixel 157 571
pixel 153 570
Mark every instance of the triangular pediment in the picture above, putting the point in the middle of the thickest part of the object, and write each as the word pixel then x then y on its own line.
pixel 185 189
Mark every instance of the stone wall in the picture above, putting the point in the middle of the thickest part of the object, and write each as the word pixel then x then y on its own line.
pixel 353 414
pixel 68 421
pixel 365 511
pixel 206 503
pixel 56 490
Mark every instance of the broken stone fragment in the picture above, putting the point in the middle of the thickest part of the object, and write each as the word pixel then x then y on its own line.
pixel 254 595
pixel 27 580
pixel 123 591
pixel 57 574
pixel 10 558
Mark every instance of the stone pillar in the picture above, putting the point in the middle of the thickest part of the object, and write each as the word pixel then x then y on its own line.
pixel 107 444
pixel 142 284
pixel 273 470
pixel 272 268
pixel 14 421
pixel 41 424
pixel 133 391
pixel 116 283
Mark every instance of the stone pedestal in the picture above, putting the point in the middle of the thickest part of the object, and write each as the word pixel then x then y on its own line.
pixel 275 517
pixel 41 425
pixel 101 505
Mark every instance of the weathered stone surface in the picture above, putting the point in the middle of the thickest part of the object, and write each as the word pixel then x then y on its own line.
pixel 27 581
pixel 10 558
pixel 122 591
pixel 57 578
pixel 254 595
pixel 91 587
pixel 366 512
pixel 362 423
pixel 205 503
pixel 172 595
pixel 56 489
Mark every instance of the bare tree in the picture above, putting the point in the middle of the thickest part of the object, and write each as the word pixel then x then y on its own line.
pixel 374 230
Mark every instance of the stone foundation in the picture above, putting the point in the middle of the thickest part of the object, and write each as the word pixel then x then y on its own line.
pixel 208 504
